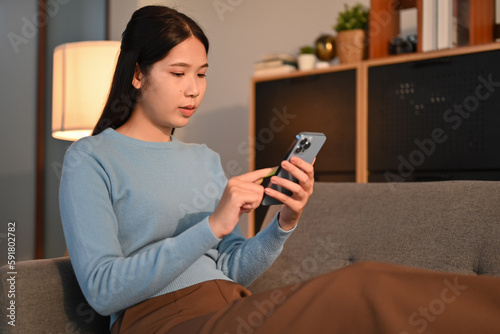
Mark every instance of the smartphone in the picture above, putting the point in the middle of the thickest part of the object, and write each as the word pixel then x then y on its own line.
pixel 305 146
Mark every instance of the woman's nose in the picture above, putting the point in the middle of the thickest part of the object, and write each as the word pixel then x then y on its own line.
pixel 193 89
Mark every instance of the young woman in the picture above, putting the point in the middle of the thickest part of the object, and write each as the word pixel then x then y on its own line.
pixel 145 215
pixel 151 223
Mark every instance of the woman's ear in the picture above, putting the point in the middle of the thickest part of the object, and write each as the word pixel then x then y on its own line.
pixel 138 76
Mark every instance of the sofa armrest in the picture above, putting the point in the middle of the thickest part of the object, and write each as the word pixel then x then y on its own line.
pixel 47 299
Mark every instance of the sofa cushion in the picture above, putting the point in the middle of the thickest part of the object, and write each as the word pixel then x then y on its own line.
pixel 451 226
pixel 47 300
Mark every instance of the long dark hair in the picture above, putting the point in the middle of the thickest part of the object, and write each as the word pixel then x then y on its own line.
pixel 149 36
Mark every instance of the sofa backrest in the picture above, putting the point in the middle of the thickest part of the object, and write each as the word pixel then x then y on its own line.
pixel 451 226
pixel 47 299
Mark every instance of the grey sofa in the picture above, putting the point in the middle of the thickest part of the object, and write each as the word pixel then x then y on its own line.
pixel 449 226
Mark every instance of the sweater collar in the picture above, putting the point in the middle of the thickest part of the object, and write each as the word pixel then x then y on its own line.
pixel 141 143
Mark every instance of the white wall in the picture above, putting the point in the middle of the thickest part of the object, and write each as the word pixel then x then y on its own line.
pixel 67 21
pixel 240 33
pixel 18 125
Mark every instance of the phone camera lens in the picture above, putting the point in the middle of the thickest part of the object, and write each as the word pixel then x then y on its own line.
pixel 303 141
pixel 298 149
pixel 307 145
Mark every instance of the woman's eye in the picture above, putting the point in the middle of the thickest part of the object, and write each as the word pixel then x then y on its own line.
pixel 202 75
pixel 177 74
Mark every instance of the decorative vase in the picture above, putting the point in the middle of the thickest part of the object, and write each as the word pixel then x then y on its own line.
pixel 306 61
pixel 351 45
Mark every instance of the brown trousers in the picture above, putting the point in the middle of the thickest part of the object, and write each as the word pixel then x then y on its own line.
pixel 361 298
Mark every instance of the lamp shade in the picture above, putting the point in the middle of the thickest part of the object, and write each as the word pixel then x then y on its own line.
pixel 81 80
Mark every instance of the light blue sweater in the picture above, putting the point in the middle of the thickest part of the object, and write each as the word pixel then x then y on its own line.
pixel 135 218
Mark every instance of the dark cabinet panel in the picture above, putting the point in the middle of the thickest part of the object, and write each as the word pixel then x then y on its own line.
pixel 316 103
pixel 435 119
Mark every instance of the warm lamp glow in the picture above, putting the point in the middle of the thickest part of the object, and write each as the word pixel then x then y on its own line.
pixel 82 77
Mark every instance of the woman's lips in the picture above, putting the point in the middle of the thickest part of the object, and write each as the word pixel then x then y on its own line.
pixel 188 111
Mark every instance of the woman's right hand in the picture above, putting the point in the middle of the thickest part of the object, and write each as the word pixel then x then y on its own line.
pixel 243 194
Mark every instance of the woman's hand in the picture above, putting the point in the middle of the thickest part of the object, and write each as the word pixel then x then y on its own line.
pixel 243 194
pixel 293 205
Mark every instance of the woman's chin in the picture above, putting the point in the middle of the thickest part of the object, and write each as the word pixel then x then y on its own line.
pixel 182 123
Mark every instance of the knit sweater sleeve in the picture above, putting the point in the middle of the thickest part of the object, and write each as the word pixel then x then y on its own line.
pixel 245 260
pixel 110 281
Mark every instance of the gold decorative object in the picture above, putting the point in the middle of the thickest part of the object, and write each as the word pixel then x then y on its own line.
pixel 326 47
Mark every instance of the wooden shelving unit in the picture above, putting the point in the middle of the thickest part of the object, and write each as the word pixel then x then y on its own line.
pixel 385 23
pixel 362 81
pixel 385 18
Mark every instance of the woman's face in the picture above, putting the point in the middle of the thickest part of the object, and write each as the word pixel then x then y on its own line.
pixel 173 90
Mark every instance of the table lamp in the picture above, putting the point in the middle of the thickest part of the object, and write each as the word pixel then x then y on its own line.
pixel 81 80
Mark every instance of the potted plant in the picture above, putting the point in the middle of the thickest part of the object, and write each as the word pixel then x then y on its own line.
pixel 351 27
pixel 307 58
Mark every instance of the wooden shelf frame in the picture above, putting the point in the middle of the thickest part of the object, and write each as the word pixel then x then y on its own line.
pixel 362 112
pixel 385 23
